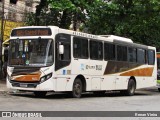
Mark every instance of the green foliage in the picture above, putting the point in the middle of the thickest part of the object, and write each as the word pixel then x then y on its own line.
pixel 62 5
pixel 61 13
pixel 136 19
pixel 72 11
pixel 29 19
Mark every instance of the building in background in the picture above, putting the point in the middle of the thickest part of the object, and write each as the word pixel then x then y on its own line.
pixel 15 10
pixel 14 14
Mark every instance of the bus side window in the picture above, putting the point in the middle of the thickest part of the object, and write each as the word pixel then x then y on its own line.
pixel 141 59
pixel 146 57
pixel 109 51
pixel 132 54
pixel 121 53
pixel 96 50
pixel 151 57
pixel 80 47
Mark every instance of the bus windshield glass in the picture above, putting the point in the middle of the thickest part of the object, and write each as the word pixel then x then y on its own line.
pixel 31 52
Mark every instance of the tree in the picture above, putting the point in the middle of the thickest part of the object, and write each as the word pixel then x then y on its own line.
pixel 138 20
pixel 39 9
pixel 61 13
pixel 72 11
pixel 39 17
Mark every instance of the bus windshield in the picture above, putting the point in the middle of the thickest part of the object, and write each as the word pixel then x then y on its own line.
pixel 31 52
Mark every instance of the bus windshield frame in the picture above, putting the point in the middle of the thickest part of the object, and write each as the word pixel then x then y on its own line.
pixel 31 52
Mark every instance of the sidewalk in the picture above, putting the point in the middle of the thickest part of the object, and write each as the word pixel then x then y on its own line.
pixel 3 86
pixel 4 89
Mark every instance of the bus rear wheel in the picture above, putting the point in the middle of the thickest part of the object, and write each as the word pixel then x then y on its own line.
pixel 77 88
pixel 40 94
pixel 131 88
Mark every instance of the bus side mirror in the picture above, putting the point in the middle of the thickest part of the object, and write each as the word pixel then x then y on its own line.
pixel 61 49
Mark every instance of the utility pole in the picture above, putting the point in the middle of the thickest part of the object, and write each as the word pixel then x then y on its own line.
pixel 1 37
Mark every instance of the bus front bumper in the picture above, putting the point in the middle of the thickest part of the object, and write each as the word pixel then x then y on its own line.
pixel 45 86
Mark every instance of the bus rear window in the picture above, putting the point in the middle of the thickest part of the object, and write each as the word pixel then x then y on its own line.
pixel 151 57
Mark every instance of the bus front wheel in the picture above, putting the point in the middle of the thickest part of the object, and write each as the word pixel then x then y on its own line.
pixel 77 88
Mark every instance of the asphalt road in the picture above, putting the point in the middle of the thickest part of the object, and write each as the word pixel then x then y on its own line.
pixel 143 100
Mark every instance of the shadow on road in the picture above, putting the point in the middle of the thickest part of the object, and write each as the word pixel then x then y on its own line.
pixel 51 95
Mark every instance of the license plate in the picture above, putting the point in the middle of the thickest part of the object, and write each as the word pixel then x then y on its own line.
pixel 23 85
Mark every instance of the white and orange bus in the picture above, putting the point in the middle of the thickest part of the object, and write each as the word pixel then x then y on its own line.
pixel 48 58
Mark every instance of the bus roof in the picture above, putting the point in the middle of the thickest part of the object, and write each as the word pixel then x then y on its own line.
pixel 117 38
pixel 107 38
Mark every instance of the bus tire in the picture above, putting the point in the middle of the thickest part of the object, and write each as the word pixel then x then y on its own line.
pixel 40 94
pixel 159 89
pixel 131 88
pixel 77 88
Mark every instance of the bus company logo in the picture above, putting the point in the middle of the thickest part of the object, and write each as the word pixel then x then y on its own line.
pixel 90 67
pixel 98 67
pixel 6 114
pixel 82 67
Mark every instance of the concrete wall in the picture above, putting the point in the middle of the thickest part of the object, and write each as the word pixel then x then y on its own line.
pixel 17 12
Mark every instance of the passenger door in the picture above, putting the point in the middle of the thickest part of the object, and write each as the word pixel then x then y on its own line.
pixel 62 60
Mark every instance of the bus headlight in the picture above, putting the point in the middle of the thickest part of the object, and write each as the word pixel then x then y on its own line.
pixel 46 77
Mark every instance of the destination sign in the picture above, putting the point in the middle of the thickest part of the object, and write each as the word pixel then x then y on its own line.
pixel 31 32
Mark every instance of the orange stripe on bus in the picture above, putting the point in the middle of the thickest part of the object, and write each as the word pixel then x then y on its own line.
pixel 139 72
pixel 27 78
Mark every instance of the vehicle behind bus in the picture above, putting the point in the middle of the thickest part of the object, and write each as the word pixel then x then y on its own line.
pixel 158 71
